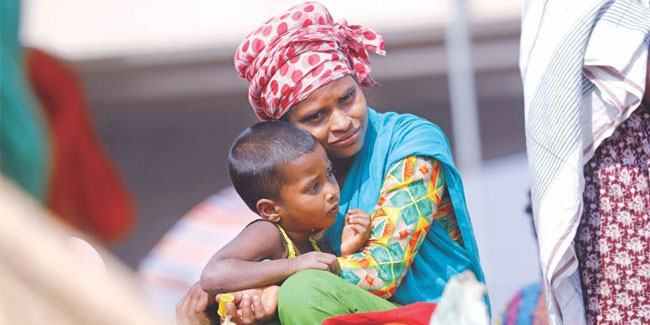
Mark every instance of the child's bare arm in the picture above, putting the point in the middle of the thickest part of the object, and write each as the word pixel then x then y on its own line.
pixel 240 264
pixel 355 232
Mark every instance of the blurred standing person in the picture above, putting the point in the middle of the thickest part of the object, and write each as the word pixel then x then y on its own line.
pixel 84 187
pixel 584 67
pixel 24 145
pixel 47 141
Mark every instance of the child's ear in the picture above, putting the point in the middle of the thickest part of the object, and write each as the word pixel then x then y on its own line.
pixel 268 210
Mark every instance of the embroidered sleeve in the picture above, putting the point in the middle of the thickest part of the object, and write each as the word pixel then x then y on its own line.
pixel 412 196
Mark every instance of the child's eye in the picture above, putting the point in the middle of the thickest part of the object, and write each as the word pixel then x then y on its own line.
pixel 314 187
pixel 330 172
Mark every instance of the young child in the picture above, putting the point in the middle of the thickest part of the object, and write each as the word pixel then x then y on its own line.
pixel 284 175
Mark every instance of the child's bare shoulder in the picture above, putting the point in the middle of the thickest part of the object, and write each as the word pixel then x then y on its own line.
pixel 265 234
pixel 261 226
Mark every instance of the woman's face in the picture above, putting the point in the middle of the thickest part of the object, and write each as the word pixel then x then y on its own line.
pixel 336 115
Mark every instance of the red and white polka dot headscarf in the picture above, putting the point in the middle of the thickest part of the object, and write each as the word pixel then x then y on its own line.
pixel 295 53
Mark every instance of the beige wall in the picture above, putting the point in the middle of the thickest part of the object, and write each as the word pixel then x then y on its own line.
pixel 82 29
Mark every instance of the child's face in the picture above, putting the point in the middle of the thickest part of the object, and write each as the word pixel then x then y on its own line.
pixel 310 198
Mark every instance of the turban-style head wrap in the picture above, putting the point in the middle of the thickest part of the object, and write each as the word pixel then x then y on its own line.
pixel 297 52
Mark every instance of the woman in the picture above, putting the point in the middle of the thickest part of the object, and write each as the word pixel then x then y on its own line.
pixel 306 69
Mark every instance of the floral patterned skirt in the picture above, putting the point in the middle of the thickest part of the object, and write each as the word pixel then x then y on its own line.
pixel 613 239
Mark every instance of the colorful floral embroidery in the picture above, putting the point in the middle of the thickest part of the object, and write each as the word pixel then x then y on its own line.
pixel 412 196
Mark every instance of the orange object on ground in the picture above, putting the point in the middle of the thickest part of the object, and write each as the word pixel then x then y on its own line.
pixel 85 190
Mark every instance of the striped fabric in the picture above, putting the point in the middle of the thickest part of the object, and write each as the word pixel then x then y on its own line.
pixel 583 67
pixel 176 262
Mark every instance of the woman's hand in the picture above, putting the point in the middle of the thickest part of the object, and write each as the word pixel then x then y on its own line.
pixel 253 305
pixel 190 310
pixel 355 232
pixel 316 261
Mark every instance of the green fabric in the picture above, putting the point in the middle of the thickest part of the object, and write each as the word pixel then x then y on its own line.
pixel 23 131
pixel 311 296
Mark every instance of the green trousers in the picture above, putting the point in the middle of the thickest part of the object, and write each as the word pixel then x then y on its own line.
pixel 311 296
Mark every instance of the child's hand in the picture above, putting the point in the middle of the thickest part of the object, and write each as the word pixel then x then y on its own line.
pixel 253 305
pixel 355 232
pixel 316 261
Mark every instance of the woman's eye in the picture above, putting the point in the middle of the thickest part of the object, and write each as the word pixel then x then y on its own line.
pixel 315 117
pixel 347 96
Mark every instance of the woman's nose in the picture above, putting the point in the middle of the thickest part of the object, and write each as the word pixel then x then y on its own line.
pixel 341 122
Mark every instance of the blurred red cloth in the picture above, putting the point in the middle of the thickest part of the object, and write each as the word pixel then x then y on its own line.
pixel 418 313
pixel 85 190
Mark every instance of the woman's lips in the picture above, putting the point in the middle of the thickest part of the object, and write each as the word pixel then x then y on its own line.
pixel 348 139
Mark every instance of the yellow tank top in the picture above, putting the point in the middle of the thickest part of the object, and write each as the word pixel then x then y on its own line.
pixel 289 243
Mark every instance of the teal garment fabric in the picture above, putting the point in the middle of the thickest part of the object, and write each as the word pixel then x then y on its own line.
pixel 24 148
pixel 391 137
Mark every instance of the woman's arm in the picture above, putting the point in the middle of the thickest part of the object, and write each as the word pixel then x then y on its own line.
pixel 240 264
pixel 411 195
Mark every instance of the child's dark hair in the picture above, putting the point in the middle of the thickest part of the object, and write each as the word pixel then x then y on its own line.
pixel 258 155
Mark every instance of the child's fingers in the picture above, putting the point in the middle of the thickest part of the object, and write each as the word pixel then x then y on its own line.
pixel 357 212
pixel 353 218
pixel 360 221
pixel 321 266
pixel 232 312
pixel 236 294
pixel 358 215
pixel 246 311
pixel 359 229
pixel 331 263
pixel 366 222
pixel 258 308
pixel 217 298
pixel 363 216
pixel 335 267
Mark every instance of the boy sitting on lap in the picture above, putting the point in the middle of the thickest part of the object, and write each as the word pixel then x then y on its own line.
pixel 283 174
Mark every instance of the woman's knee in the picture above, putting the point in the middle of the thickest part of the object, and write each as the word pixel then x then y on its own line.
pixel 303 295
